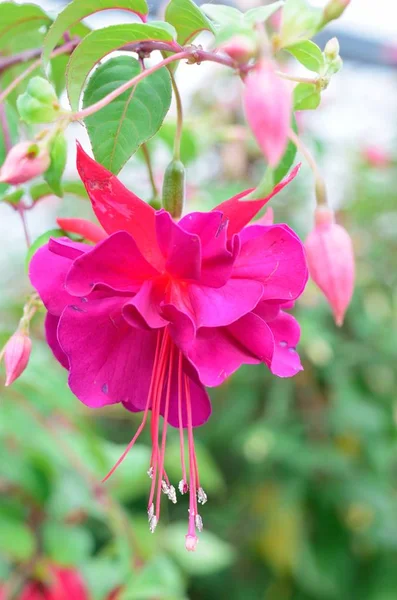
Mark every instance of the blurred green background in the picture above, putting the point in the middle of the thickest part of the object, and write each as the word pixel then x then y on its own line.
pixel 301 474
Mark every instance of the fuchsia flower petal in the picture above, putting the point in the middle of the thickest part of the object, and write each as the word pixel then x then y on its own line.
pixel 115 262
pixel 51 334
pixel 182 250
pixel 286 332
pixel 273 255
pixel 109 360
pixel 144 309
pixel 88 230
pixel 240 212
pixel 48 270
pixel 117 208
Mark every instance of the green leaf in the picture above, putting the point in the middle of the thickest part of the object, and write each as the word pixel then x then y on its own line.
pixel 306 96
pixel 262 13
pixel 211 555
pixel 41 241
pixel 17 19
pixel 16 539
pixel 101 42
pixel 287 160
pixel 13 197
pixel 58 154
pixel 39 103
pixel 300 21
pixel 187 19
pixel 11 117
pixel 160 579
pixel 308 54
pixel 66 545
pixel 79 9
pixel 41 190
pixel 222 14
pixel 117 130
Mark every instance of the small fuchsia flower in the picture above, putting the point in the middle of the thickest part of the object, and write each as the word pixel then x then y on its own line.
pixel 160 309
pixel 268 107
pixel 24 161
pixel 16 355
pixel 240 48
pixel 330 257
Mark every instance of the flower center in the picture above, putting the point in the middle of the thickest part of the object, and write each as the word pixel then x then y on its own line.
pixel 168 375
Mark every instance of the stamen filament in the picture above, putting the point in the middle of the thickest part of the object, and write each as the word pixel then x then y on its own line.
pixel 180 422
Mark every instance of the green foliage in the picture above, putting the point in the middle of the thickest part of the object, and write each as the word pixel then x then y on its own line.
pixel 12 120
pixel 300 21
pixel 187 19
pixel 309 55
pixel 288 159
pixel 306 96
pixel 117 131
pixel 39 103
pixel 103 41
pixel 79 9
pixel 58 154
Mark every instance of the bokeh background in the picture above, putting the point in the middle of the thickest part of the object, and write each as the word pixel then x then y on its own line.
pixel 301 474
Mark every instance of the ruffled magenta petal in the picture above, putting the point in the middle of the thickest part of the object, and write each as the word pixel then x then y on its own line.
pixel 275 256
pixel 118 209
pixel 144 309
pixel 181 249
pixel 109 360
pixel 51 334
pixel 216 307
pixel 48 270
pixel 240 212
pixel 115 262
pixel 286 332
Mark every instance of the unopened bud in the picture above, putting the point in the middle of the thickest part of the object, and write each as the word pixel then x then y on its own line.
pixel 39 104
pixel 334 9
pixel 240 48
pixel 24 161
pixel 191 542
pixel 332 49
pixel 330 258
pixel 268 107
pixel 174 188
pixel 16 354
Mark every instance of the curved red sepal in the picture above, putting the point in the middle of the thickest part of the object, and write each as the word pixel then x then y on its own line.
pixel 87 230
pixel 239 213
pixel 116 208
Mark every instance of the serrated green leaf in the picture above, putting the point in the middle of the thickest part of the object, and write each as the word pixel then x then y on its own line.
pixel 300 21
pixel 101 42
pixel 187 19
pixel 41 241
pixel 16 539
pixel 222 14
pixel 117 130
pixel 58 155
pixel 17 19
pixel 79 9
pixel 308 54
pixel 287 160
pixel 306 96
pixel 262 13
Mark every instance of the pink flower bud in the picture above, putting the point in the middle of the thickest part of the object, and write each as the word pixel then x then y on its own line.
pixel 377 157
pixel 240 48
pixel 334 9
pixel 330 257
pixel 268 106
pixel 16 356
pixel 24 161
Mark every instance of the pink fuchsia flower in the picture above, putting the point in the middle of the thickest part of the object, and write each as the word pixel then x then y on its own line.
pixel 240 48
pixel 16 355
pixel 330 257
pixel 158 310
pixel 268 108
pixel 24 161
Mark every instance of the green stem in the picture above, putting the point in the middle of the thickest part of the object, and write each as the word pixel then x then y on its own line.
pixel 321 192
pixel 179 117
pixel 146 156
pixel 313 80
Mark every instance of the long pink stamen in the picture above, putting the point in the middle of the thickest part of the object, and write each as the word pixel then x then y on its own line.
pixel 142 425
pixel 164 436
pixel 191 537
pixel 180 422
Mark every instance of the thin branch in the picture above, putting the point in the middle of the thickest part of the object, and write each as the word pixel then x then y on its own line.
pixel 21 212
pixel 179 117
pixel 148 162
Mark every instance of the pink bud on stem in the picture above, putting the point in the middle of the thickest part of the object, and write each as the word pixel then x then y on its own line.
pixel 334 9
pixel 268 107
pixel 240 48
pixel 16 354
pixel 24 161
pixel 330 258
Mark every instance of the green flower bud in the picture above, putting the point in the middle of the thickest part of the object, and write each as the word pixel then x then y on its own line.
pixel 174 188
pixel 334 9
pixel 39 104
pixel 332 49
